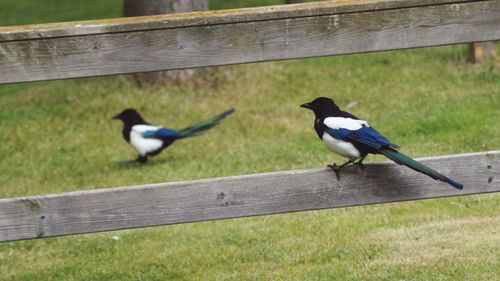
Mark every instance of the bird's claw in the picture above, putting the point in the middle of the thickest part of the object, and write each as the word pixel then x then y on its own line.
pixel 335 169
pixel 333 166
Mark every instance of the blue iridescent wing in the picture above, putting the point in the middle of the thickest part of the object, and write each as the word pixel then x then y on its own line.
pixel 162 132
pixel 364 135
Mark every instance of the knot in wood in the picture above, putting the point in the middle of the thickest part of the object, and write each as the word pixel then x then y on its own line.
pixel 220 196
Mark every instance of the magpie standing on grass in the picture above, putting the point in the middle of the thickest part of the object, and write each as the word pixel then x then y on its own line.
pixel 150 140
pixel 353 139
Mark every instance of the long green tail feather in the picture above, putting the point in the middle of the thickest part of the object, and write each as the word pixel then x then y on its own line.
pixel 202 126
pixel 402 159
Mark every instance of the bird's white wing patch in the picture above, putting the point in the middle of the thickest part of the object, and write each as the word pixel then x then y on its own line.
pixel 341 147
pixel 345 123
pixel 143 128
pixel 144 145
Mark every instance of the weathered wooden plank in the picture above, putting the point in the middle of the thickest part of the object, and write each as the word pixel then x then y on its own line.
pixel 249 41
pixel 240 196
pixel 267 13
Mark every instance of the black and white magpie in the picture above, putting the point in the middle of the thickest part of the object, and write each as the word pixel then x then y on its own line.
pixel 150 140
pixel 352 138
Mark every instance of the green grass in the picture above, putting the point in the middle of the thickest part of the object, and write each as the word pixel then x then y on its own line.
pixel 31 11
pixel 58 136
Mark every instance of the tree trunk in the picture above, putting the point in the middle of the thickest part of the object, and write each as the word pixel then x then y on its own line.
pixel 132 8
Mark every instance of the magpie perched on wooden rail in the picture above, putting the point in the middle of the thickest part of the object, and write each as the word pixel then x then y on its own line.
pixel 150 140
pixel 352 138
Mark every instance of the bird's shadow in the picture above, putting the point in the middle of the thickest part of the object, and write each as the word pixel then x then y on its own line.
pixel 133 164
pixel 384 179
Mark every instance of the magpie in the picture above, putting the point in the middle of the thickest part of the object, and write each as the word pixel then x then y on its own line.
pixel 150 140
pixel 352 138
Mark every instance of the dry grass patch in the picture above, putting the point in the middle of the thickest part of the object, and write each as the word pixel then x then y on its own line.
pixel 436 242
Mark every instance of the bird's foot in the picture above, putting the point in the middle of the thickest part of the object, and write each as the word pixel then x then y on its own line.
pixel 333 166
pixel 141 159
pixel 130 162
pixel 335 169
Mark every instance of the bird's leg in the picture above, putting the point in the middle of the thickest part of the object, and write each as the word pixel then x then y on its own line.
pixel 142 159
pixel 360 162
pixel 336 169
pixel 135 161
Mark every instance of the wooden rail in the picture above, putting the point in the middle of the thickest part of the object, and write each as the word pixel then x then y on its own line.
pixel 128 45
pixel 241 196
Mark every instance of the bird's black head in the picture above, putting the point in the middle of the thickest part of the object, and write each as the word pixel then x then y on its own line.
pixel 322 107
pixel 130 116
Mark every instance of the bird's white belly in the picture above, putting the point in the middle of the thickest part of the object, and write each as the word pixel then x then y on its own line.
pixel 143 145
pixel 340 147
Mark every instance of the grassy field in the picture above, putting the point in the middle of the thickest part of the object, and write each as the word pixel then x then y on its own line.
pixel 58 136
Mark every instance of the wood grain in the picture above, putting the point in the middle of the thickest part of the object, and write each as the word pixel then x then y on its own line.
pixel 241 196
pixel 253 37
pixel 324 8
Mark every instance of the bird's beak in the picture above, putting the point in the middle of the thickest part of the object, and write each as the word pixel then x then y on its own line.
pixel 116 117
pixel 306 105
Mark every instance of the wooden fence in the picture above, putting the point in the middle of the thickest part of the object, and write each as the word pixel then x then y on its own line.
pixel 128 45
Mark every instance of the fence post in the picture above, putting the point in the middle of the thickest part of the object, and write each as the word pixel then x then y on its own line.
pixel 481 51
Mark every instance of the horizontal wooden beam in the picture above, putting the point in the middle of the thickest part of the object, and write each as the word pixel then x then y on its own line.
pixel 105 47
pixel 241 196
pixel 204 18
